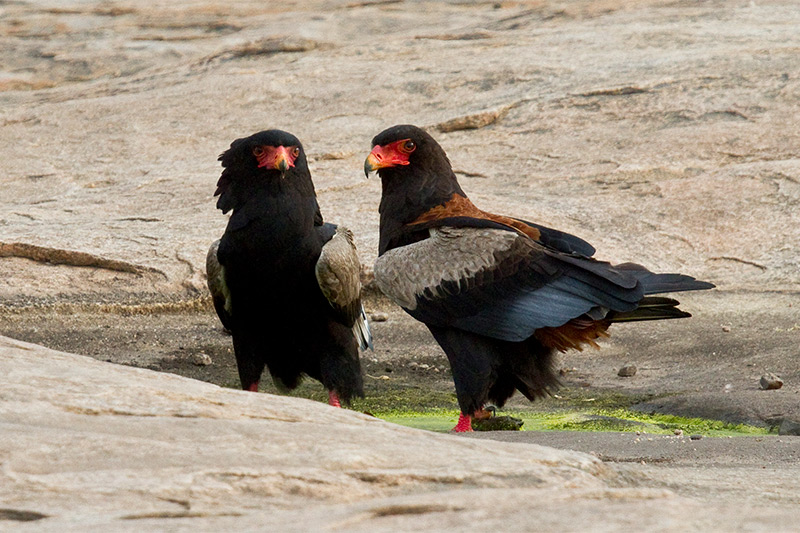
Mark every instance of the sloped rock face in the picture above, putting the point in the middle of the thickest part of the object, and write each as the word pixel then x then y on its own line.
pixel 664 134
pixel 87 443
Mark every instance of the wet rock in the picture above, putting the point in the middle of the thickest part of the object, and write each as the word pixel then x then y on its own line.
pixel 770 381
pixel 789 427
pixel 627 370
pixel 497 423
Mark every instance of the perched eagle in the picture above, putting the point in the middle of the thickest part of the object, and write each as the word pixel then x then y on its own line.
pixel 285 284
pixel 500 295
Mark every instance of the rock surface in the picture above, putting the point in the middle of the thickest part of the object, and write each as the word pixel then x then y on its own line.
pixel 88 445
pixel 664 133
pixel 661 133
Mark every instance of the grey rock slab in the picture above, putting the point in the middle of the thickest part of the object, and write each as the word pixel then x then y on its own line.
pixel 90 445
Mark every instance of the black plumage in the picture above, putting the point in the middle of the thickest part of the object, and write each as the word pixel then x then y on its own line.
pixel 285 283
pixel 500 295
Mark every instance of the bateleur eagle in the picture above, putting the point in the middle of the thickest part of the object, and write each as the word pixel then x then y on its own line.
pixel 283 282
pixel 500 295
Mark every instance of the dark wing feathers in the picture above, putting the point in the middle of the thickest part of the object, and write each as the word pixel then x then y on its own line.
pixel 338 272
pixel 659 283
pixel 505 285
pixel 561 241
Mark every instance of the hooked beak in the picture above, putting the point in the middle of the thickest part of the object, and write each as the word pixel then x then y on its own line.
pixel 371 164
pixel 382 157
pixel 282 160
pixel 277 158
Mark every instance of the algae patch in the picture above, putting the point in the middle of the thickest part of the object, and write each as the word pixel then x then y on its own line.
pixel 616 420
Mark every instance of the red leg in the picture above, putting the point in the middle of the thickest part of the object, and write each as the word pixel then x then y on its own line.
pixel 333 399
pixel 253 387
pixel 464 424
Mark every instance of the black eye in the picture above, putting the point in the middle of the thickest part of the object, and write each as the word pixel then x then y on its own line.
pixel 258 151
pixel 409 146
pixel 295 151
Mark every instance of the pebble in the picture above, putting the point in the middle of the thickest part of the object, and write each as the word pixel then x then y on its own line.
pixel 695 437
pixel 770 381
pixel 678 432
pixel 379 316
pixel 627 370
pixel 726 329
pixel 201 359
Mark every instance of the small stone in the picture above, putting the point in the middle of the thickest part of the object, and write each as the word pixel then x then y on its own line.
pixel 424 366
pixel 678 432
pixel 201 359
pixel 627 370
pixel 770 381
pixel 379 316
pixel 497 423
pixel 695 437
pixel 413 364
pixel 726 329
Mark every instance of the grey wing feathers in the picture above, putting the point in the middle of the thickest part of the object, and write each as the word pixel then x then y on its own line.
pixel 449 255
pixel 338 272
pixel 497 283
pixel 217 286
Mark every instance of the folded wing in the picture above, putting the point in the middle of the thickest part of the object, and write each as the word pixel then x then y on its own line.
pixel 506 285
pixel 338 272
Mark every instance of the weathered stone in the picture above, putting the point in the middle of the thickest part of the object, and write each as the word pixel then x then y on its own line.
pixel 770 381
pixel 79 435
pixel 627 370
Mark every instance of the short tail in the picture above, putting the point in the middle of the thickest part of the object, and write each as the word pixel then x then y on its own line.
pixel 659 283
pixel 650 308
pixel 362 332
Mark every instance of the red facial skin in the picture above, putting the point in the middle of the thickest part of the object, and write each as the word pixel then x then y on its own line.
pixel 390 155
pixel 276 157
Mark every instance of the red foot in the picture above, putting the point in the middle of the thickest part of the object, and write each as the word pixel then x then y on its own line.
pixel 464 424
pixel 253 387
pixel 333 399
